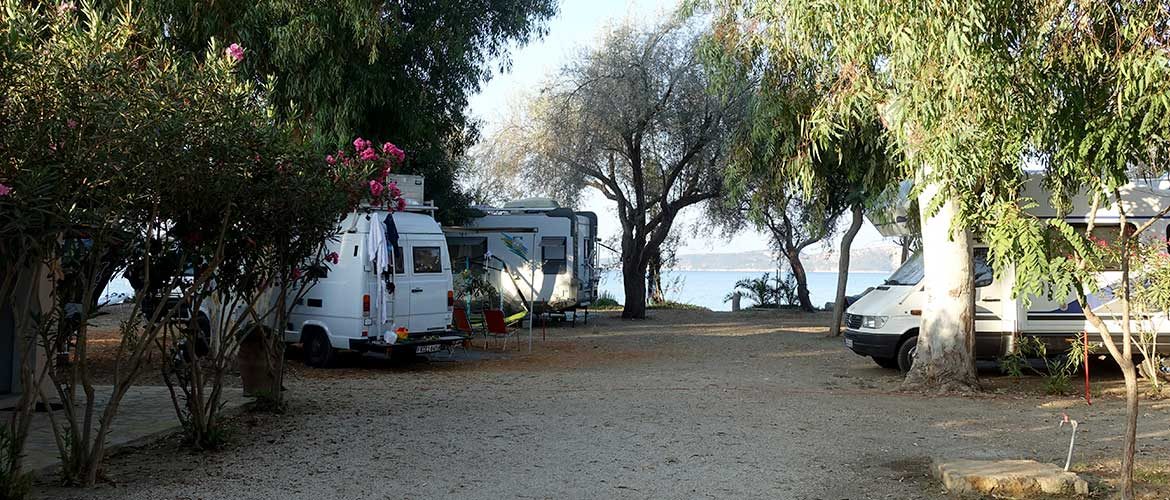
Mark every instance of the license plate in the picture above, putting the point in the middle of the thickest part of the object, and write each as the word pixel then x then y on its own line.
pixel 849 343
pixel 423 349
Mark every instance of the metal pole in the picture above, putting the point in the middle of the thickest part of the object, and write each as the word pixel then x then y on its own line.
pixel 532 293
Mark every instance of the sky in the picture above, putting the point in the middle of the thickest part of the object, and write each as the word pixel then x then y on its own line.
pixel 576 27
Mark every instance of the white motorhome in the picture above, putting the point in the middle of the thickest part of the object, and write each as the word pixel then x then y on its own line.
pixel 351 307
pixel 883 324
pixel 560 242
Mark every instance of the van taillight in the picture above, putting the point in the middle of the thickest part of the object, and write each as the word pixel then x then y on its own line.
pixel 365 305
pixel 450 298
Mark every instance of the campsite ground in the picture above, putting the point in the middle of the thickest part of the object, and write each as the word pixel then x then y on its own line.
pixel 686 404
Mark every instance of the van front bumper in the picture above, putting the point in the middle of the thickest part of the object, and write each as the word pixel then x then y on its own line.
pixel 878 345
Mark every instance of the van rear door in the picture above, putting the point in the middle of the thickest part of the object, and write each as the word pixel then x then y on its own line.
pixel 430 280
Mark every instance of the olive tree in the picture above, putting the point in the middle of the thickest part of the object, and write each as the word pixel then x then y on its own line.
pixel 635 119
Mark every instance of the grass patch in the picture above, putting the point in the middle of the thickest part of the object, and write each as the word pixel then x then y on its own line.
pixel 677 306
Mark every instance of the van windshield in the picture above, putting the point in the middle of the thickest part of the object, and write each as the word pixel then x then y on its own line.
pixel 909 274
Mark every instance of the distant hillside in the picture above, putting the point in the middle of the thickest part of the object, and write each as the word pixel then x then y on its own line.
pixel 877 258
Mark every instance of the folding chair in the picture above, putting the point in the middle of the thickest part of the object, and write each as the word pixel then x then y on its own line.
pixel 496 326
pixel 462 324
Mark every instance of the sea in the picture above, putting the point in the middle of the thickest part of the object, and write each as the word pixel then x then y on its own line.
pixel 709 288
pixel 701 288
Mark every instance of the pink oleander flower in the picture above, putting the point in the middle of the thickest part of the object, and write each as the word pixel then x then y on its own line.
pixel 333 257
pixel 235 51
pixel 360 144
pixel 1102 243
pixel 400 205
pixel 392 188
pixel 375 189
pixel 71 123
pixel 368 154
pixel 296 273
pixel 330 160
pixel 5 190
pixel 394 151
pixel 66 7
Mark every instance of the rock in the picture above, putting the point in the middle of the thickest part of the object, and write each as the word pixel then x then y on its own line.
pixel 1007 478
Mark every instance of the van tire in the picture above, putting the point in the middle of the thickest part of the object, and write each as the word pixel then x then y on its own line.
pixel 888 363
pixel 906 350
pixel 319 353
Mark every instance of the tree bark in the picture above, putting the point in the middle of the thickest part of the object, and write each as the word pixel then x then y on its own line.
pixel 634 279
pixel 843 269
pixel 654 279
pixel 946 341
pixel 801 277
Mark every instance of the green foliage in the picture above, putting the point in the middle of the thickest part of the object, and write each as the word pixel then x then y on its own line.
pixel 668 305
pixel 474 286
pixel 606 300
pixel 1058 370
pixel 402 70
pixel 767 290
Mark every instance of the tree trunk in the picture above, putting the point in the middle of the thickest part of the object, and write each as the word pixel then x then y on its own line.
pixel 843 270
pixel 654 279
pixel 946 341
pixel 904 242
pixel 801 279
pixel 634 279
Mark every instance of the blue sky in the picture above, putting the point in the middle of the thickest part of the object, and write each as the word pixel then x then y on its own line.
pixel 577 26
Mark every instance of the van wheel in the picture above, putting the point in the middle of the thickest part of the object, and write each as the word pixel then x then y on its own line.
pixel 906 351
pixel 889 363
pixel 318 352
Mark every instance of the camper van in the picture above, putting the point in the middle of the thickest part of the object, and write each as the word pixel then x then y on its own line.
pixel 883 324
pixel 529 238
pixel 352 307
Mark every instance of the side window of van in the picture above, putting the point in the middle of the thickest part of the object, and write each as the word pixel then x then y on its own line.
pixel 427 260
pixel 399 266
pixel 983 272
pixel 552 252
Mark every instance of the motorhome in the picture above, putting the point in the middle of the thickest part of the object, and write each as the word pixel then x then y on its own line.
pixel 884 323
pixel 406 310
pixel 527 239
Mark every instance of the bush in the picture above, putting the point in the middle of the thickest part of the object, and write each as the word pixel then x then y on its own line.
pixel 682 306
pixel 606 300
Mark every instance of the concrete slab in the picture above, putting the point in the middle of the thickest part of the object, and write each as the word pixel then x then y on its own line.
pixel 1007 478
pixel 146 414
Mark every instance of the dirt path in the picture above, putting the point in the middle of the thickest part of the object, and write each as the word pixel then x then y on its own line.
pixel 686 405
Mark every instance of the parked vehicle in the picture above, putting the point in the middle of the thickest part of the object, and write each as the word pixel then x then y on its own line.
pixel 504 242
pixel 404 310
pixel 884 323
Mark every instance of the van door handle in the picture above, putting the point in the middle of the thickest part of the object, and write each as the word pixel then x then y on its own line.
pixel 416 290
pixel 991 300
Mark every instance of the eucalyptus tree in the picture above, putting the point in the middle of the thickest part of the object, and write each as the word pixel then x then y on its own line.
pixel 775 155
pixel 635 119
pixel 972 91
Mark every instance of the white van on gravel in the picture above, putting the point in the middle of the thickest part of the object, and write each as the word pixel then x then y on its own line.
pixel 404 311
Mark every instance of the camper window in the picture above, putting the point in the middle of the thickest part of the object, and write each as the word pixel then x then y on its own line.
pixel 909 274
pixel 1108 233
pixel 983 272
pixel 552 251
pixel 427 260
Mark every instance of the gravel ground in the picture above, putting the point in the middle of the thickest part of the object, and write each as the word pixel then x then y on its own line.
pixel 688 404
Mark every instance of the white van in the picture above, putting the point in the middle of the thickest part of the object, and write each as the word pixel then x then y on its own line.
pixel 884 323
pixel 342 310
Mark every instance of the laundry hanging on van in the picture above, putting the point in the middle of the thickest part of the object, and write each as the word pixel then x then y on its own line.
pixel 378 254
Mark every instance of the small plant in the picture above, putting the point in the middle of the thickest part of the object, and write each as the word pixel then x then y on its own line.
pixel 605 300
pixel 767 290
pixel 1058 371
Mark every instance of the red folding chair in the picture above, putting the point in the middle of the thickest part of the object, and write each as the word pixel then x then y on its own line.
pixel 495 325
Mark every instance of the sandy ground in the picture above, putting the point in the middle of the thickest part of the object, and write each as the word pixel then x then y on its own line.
pixel 688 404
